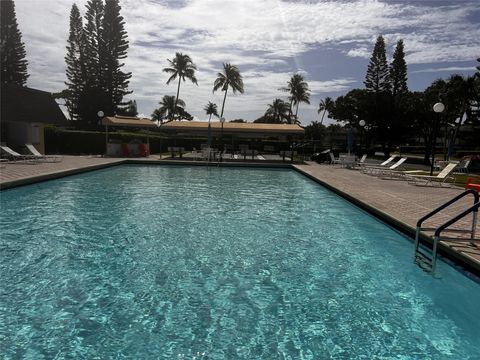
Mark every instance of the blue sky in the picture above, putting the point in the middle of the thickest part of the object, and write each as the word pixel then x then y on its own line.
pixel 329 42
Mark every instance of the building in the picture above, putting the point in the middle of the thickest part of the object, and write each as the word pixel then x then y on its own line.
pixel 24 114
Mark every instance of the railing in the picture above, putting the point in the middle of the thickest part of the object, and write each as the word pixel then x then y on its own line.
pixel 420 257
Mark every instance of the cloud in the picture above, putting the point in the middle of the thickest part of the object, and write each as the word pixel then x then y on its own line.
pixel 445 69
pixel 268 40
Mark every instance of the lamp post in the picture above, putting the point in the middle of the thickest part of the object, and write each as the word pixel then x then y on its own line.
pixel 362 125
pixel 438 108
pixel 100 114
pixel 222 120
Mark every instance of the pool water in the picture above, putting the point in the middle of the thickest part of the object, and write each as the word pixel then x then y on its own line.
pixel 153 262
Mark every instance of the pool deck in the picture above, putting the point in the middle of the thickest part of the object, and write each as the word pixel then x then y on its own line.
pixel 397 202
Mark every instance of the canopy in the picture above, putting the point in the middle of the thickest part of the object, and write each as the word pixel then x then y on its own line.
pixel 127 121
pixel 250 129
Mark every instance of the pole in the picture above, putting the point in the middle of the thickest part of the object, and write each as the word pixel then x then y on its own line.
pixel 434 143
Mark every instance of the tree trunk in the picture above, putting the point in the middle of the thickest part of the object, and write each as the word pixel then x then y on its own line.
pixel 321 121
pixel 176 99
pixel 290 112
pixel 223 104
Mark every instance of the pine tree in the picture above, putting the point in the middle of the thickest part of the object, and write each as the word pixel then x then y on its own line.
pixel 75 72
pixel 398 71
pixel 92 98
pixel 377 78
pixel 114 49
pixel 12 49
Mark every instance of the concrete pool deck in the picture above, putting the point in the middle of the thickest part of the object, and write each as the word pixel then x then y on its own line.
pixel 397 202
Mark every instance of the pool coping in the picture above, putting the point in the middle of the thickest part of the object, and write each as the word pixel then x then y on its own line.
pixel 444 250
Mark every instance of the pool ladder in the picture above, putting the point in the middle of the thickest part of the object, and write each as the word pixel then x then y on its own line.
pixel 425 257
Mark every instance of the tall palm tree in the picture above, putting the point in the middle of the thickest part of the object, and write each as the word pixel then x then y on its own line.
pixel 183 67
pixel 299 92
pixel 325 106
pixel 278 111
pixel 229 78
pixel 211 109
pixel 169 105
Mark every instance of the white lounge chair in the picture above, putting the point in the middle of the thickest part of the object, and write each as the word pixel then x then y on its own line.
pixel 35 153
pixel 14 156
pixel 384 165
pixel 439 180
pixel 390 170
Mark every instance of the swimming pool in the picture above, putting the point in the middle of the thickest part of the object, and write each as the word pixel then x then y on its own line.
pixel 152 262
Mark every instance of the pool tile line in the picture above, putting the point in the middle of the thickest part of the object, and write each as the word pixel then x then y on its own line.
pixel 461 259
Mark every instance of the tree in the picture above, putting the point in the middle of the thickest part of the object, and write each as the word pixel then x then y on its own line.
pixel 170 106
pixel 211 109
pixel 277 112
pixel 129 109
pixel 315 131
pixel 229 78
pixel 75 64
pixel 92 98
pixel 325 105
pixel 183 68
pixel 377 78
pixel 299 92
pixel 12 49
pixel 113 50
pixel 398 71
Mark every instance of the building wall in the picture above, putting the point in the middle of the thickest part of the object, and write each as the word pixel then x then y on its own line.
pixel 21 133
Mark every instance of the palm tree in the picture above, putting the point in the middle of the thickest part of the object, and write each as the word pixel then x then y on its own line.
pixel 169 106
pixel 229 78
pixel 183 67
pixel 211 109
pixel 278 111
pixel 299 92
pixel 325 106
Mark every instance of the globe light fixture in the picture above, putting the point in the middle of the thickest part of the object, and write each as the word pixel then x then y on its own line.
pixel 437 108
pixel 361 123
pixel 100 113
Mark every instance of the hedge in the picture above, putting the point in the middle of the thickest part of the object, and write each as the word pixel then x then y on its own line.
pixel 83 142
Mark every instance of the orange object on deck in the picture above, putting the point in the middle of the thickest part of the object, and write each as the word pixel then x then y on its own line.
pixel 125 151
pixel 470 185
pixel 142 149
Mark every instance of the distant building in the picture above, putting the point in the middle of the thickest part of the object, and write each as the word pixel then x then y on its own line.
pixel 24 114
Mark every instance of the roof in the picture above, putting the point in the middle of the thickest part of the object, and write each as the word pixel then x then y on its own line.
pixel 24 104
pixel 127 121
pixel 234 128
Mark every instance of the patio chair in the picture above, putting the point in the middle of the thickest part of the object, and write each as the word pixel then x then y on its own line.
pixel 439 180
pixel 334 160
pixel 14 156
pixel 390 171
pixel 365 168
pixel 35 153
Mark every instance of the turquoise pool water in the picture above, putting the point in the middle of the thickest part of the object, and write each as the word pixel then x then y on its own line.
pixel 149 262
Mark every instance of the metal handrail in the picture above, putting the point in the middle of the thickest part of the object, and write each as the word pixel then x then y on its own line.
pixel 474 208
pixel 448 203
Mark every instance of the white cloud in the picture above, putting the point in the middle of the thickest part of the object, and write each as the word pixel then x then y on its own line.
pixel 445 69
pixel 265 39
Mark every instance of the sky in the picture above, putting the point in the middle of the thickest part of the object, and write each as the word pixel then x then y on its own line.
pixel 328 42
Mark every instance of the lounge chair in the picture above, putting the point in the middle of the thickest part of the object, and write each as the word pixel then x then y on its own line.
pixel 384 165
pixel 362 160
pixel 14 156
pixel 393 169
pixel 35 153
pixel 439 180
